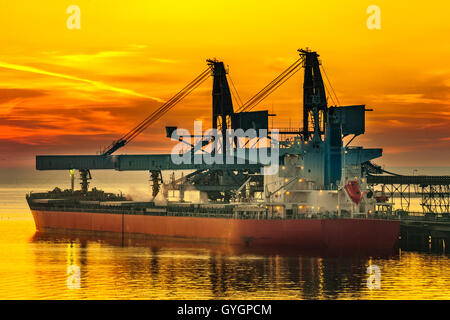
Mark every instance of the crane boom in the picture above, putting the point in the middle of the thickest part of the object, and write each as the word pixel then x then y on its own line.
pixel 169 104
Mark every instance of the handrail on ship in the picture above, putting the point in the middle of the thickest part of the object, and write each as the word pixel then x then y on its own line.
pixel 220 213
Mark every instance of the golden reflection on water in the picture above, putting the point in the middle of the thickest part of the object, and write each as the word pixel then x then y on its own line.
pixel 35 267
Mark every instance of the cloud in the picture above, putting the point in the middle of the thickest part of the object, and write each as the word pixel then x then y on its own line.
pixel 8 94
pixel 160 60
pixel 93 56
pixel 103 56
pixel 405 98
pixel 156 78
pixel 97 84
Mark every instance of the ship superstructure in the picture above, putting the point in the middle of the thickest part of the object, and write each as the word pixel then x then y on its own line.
pixel 317 173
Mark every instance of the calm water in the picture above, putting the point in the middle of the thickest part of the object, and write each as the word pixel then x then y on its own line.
pixel 34 266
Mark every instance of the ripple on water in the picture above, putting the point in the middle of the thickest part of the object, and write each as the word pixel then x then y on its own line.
pixel 32 268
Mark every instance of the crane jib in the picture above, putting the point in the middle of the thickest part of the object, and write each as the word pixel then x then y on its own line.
pixel 169 104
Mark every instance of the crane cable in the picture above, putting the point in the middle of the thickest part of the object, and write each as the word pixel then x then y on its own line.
pixel 263 92
pixel 329 94
pixel 278 84
pixel 272 86
pixel 329 82
pixel 238 97
pixel 168 105
pixel 159 112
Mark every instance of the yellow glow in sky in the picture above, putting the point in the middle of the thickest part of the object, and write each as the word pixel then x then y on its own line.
pixel 57 83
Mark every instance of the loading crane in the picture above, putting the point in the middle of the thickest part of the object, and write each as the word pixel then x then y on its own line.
pixel 219 180
pixel 321 137
pixel 223 114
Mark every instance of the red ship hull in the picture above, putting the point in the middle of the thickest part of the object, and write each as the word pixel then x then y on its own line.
pixel 305 233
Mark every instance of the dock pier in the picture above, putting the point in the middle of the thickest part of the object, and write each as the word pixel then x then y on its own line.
pixel 425 233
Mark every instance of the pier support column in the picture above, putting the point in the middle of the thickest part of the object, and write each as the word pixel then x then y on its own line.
pixel 156 179
pixel 85 175
pixel 72 180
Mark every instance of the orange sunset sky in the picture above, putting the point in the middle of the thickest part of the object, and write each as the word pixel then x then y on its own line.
pixel 74 91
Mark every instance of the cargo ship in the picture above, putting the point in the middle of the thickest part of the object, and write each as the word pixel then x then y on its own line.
pixel 232 224
pixel 300 188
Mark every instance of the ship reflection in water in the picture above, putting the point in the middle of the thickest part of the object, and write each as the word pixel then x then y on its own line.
pixel 134 269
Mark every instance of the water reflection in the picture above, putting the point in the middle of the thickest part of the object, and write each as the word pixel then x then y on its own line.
pixel 139 268
pixel 34 266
